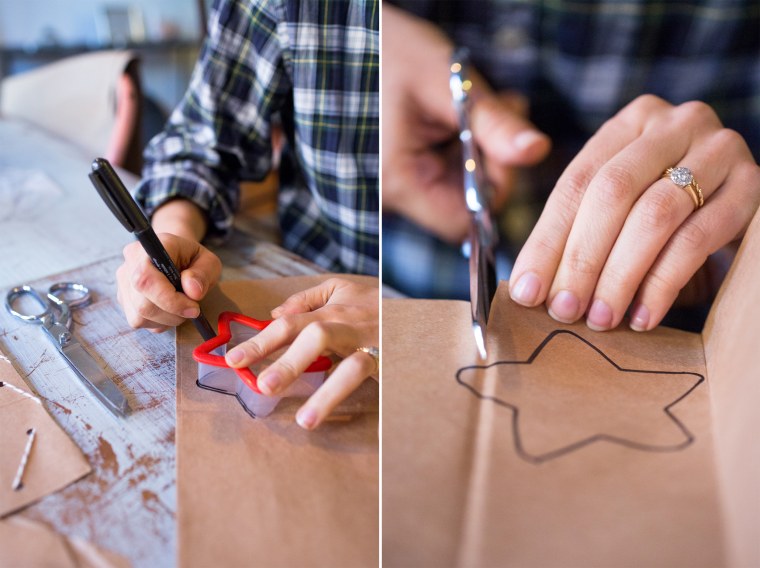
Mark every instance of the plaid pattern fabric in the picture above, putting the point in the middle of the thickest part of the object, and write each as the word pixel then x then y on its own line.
pixel 315 65
pixel 579 62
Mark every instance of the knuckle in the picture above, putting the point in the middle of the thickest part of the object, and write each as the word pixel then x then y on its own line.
pixel 287 368
pixel 129 250
pixel 252 350
pixel 571 191
pixel 665 283
pixel 134 320
pixel 695 113
pixel 614 185
pixel 358 365
pixel 580 263
pixel 692 237
pixel 660 210
pixel 726 138
pixel 145 309
pixel 640 107
pixel 617 277
pixel 141 278
pixel 286 325
pixel 548 246
pixel 318 331
pixel 648 101
pixel 750 171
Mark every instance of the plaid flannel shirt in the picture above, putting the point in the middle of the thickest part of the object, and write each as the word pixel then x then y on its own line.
pixel 315 64
pixel 579 62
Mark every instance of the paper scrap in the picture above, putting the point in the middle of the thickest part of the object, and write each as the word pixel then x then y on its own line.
pixel 53 461
pixel 28 543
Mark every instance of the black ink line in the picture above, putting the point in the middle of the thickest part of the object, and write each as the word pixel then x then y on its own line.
pixel 222 391
pixel 538 459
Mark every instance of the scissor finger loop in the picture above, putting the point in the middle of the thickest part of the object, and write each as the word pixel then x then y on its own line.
pixel 25 291
pixel 74 294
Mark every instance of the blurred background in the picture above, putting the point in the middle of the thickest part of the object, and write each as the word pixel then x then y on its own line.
pixel 61 63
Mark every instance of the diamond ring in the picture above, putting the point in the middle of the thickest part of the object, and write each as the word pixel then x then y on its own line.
pixel 683 177
pixel 373 352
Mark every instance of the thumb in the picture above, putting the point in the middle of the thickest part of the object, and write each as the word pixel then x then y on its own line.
pixel 503 134
pixel 201 275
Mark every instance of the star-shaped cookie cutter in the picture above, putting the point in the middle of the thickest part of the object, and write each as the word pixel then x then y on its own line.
pixel 243 383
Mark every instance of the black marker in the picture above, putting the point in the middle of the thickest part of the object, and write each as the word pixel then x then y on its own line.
pixel 123 206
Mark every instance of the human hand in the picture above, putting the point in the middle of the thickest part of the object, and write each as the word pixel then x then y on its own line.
pixel 615 233
pixel 146 295
pixel 338 316
pixel 422 170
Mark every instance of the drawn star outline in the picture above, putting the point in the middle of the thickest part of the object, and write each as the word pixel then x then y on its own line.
pixel 560 406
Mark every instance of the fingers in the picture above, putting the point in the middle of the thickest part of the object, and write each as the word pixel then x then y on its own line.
pixel 203 274
pixel 345 379
pixel 611 221
pixel 316 338
pixel 708 229
pixel 338 317
pixel 504 136
pixel 654 218
pixel 307 300
pixel 146 295
pixel 605 208
pixel 540 257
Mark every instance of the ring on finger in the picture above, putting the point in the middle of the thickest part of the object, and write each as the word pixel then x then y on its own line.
pixel 682 177
pixel 373 352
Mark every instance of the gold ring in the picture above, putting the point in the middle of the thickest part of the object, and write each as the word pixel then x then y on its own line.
pixel 683 177
pixel 373 352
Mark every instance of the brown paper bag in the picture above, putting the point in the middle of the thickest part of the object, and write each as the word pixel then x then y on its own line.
pixel 265 492
pixel 572 447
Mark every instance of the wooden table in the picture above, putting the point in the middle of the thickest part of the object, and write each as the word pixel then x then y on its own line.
pixel 128 503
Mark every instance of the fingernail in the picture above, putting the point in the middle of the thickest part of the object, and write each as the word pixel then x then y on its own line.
pixel 306 418
pixel 197 284
pixel 526 139
pixel 525 291
pixel 640 318
pixel 191 313
pixel 235 356
pixel 564 307
pixel 270 380
pixel 599 316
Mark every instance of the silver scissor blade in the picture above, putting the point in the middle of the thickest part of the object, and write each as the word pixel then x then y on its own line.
pixel 94 379
pixel 482 285
pixel 480 340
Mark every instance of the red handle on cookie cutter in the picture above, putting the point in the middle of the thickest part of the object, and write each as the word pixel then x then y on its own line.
pixel 202 353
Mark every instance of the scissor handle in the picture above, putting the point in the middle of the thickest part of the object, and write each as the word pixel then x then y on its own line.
pixel 28 291
pixel 74 294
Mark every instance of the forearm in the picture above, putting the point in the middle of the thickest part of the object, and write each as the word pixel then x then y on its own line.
pixel 182 218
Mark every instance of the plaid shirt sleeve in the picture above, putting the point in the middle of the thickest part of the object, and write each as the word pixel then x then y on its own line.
pixel 316 65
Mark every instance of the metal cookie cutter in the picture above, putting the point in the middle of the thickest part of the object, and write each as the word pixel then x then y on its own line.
pixel 214 373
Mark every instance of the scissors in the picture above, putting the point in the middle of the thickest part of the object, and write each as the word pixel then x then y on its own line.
pixel 483 236
pixel 56 320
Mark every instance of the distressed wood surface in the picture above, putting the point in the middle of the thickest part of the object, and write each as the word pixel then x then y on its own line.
pixel 128 503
